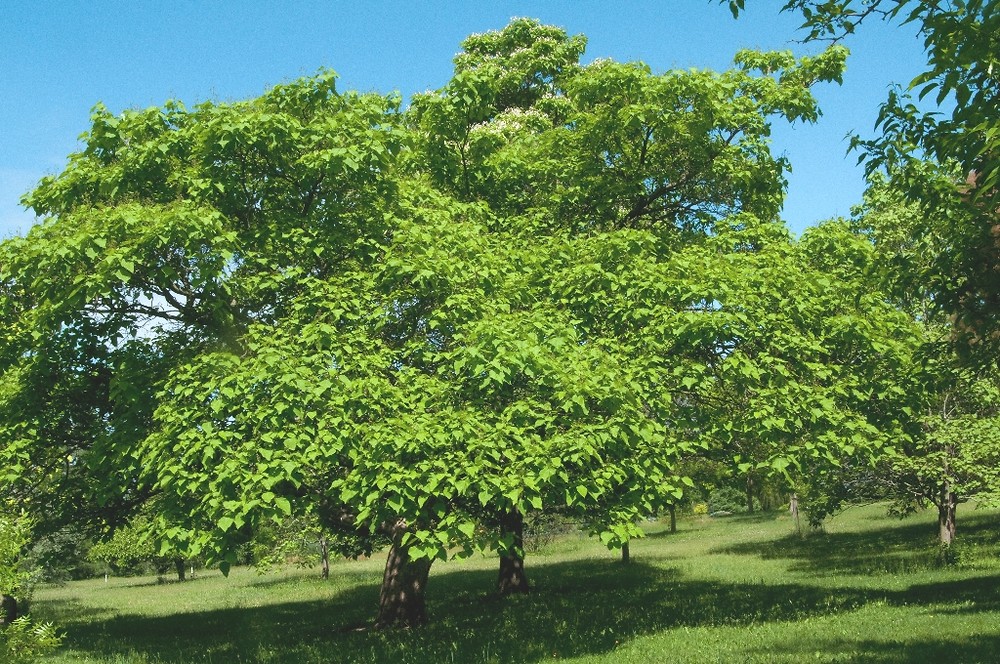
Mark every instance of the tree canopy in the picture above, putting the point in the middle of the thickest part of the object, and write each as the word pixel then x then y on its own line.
pixel 541 287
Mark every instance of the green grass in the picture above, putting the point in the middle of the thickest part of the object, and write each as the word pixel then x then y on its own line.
pixel 738 589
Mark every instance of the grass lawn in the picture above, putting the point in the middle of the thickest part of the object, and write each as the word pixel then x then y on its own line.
pixel 733 589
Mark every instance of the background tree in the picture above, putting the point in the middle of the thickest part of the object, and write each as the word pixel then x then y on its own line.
pixel 800 358
pixel 132 547
pixel 961 135
pixel 948 449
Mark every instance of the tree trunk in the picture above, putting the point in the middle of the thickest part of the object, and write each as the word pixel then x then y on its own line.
pixel 181 570
pixel 946 516
pixel 324 554
pixel 8 608
pixel 512 579
pixel 401 602
pixel 749 494
pixel 673 518
pixel 626 555
pixel 793 508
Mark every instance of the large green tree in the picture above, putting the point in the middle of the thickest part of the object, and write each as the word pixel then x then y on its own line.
pixel 800 359
pixel 415 324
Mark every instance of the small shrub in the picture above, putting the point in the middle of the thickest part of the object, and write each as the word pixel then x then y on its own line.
pixel 727 499
pixel 22 642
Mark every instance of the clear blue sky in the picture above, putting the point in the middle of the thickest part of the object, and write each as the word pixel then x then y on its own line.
pixel 58 59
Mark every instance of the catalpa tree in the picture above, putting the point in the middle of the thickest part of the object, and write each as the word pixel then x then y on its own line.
pixel 413 325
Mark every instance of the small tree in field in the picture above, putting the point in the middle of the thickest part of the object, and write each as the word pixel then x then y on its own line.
pixel 133 546
pixel 949 446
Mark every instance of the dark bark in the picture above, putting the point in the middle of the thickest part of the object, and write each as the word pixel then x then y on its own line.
pixel 8 606
pixel 673 518
pixel 402 602
pixel 626 554
pixel 947 506
pixel 512 578
pixel 324 554
pixel 181 569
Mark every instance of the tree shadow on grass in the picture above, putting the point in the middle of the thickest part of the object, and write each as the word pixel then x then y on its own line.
pixel 907 547
pixel 663 530
pixel 273 633
pixel 344 573
pixel 576 608
pixel 146 581
pixel 56 609
pixel 760 516
pixel 976 594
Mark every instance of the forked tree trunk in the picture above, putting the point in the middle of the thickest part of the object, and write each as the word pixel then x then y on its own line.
pixel 402 602
pixel 324 555
pixel 181 569
pixel 946 515
pixel 8 609
pixel 512 579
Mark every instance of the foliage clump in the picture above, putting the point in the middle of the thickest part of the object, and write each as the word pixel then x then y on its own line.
pixel 21 640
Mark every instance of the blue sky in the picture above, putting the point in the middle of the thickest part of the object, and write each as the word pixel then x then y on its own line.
pixel 58 59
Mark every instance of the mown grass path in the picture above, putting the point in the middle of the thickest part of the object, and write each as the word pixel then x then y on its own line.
pixel 738 589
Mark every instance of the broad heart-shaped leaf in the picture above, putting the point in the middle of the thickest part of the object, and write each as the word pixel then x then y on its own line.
pixel 284 505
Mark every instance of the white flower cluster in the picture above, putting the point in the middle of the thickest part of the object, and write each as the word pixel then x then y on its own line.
pixel 512 121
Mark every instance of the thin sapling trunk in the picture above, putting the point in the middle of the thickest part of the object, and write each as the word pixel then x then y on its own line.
pixel 324 554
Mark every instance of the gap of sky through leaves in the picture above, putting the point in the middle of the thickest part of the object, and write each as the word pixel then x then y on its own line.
pixel 57 60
